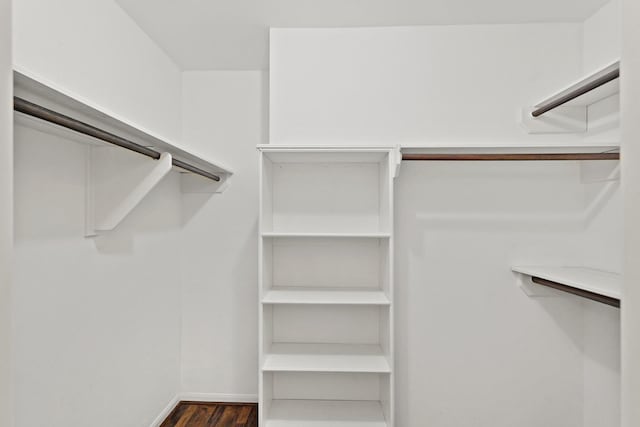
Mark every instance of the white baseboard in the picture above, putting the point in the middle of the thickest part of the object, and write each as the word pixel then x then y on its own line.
pixel 219 397
pixel 203 397
pixel 165 412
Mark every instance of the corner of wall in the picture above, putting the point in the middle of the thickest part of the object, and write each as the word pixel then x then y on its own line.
pixel 602 37
pixel 6 212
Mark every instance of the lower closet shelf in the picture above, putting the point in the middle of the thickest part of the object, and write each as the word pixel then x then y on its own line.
pixel 597 285
pixel 326 358
pixel 325 413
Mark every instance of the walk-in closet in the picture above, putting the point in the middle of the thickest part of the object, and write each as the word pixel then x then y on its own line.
pixel 412 213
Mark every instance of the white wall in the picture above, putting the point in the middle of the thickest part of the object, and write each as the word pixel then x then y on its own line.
pixel 602 35
pixel 6 210
pixel 223 117
pixel 97 321
pixel 601 247
pixel 93 50
pixel 602 43
pixel 631 177
pixel 601 47
pixel 472 348
pixel 423 85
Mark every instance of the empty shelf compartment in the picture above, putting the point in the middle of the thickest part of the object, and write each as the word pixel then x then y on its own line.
pixel 338 296
pixel 326 358
pixel 320 192
pixel 325 413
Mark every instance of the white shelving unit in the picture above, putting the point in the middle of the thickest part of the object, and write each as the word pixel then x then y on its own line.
pixel 602 286
pixel 326 286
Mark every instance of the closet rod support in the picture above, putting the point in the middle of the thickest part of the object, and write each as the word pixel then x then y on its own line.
pixel 510 156
pixel 576 93
pixel 26 107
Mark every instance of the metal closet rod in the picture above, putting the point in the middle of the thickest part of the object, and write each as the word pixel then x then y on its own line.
pixel 601 81
pixel 26 107
pixel 510 156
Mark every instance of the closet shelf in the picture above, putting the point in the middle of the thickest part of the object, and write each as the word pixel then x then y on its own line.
pixel 283 154
pixel 124 162
pixel 83 121
pixel 325 413
pixel 342 358
pixel 597 285
pixel 375 235
pixel 589 90
pixel 324 296
pixel 476 157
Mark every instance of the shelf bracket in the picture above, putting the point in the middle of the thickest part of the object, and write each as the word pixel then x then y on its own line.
pixel 116 183
pixel 396 154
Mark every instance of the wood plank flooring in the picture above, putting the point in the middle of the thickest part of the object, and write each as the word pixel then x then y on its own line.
pixel 199 414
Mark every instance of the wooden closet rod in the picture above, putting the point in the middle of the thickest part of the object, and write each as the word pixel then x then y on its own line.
pixel 26 107
pixel 614 302
pixel 577 92
pixel 510 156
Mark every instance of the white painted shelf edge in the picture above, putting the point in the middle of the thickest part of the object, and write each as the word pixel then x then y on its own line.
pixel 596 281
pixel 375 235
pixel 510 148
pixel 465 147
pixel 343 358
pixel 315 296
pixel 325 148
pixel 325 413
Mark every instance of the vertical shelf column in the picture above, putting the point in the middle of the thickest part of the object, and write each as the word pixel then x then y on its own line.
pixel 326 287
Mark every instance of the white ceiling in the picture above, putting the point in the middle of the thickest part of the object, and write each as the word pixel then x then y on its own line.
pixel 233 34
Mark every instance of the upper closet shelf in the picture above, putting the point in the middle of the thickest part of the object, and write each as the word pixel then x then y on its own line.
pixel 566 111
pixel 124 163
pixel 585 92
pixel 80 120
pixel 283 154
pixel 597 285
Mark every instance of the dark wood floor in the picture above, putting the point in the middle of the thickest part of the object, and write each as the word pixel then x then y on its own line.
pixel 198 414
